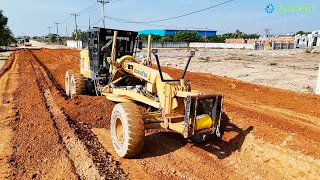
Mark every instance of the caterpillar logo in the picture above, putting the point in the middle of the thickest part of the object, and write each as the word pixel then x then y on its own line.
pixel 141 73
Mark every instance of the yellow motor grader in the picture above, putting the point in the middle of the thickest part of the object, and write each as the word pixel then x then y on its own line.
pixel 109 68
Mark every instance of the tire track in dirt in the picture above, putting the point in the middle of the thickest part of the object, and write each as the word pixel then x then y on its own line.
pixel 167 155
pixel 86 152
pixel 8 84
pixel 37 149
pixel 77 152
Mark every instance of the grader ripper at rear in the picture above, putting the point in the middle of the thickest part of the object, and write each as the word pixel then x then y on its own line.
pixel 109 68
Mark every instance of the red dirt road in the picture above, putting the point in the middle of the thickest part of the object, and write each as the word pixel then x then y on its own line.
pixel 269 133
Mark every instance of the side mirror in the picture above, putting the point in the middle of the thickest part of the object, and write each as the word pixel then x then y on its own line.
pixel 192 53
pixel 154 51
pixel 140 45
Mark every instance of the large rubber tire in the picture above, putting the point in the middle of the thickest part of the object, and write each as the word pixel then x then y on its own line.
pixel 127 130
pixel 78 84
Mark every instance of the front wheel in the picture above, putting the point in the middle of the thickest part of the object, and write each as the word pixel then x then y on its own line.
pixel 127 130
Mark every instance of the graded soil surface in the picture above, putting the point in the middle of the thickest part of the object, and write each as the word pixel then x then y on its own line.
pixel 268 133
pixel 293 69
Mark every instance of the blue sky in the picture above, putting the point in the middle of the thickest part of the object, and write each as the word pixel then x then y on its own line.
pixel 32 17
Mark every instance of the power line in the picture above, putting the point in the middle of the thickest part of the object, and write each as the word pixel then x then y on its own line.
pixel 68 18
pixel 173 7
pixel 71 19
pixel 168 26
pixel 170 18
pixel 159 25
pixel 98 7
pixel 96 22
pixel 88 8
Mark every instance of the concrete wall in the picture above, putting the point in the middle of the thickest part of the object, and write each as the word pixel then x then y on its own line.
pixel 199 45
pixel 81 44
pixel 167 44
pixel 241 41
pixel 222 45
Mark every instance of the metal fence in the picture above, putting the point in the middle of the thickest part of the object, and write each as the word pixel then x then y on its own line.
pixel 274 46
pixel 283 46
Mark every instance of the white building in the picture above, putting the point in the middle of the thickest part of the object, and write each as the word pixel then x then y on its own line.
pixel 308 40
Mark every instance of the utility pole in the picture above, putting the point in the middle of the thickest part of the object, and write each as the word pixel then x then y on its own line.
pixel 57 28
pixel 75 20
pixel 67 31
pixel 89 23
pixel 49 30
pixel 285 23
pixel 103 2
pixel 205 38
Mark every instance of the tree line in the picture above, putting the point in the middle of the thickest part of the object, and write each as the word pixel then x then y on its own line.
pixel 6 36
pixel 192 36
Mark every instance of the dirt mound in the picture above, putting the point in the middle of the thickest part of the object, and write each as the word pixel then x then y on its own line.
pixel 8 63
pixel 58 62
pixel 37 148
pixel 94 111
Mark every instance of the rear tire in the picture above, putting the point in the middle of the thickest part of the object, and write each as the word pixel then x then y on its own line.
pixel 127 130
pixel 78 84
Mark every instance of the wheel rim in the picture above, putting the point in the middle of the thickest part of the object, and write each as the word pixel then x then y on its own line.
pixel 66 84
pixel 73 87
pixel 119 131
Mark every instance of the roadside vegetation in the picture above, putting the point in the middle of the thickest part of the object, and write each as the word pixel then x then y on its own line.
pixel 192 36
pixel 6 36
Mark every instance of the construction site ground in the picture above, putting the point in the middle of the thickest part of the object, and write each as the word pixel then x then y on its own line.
pixel 268 133
pixel 292 69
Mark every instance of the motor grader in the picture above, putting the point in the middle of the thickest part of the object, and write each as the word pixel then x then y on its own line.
pixel 109 68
